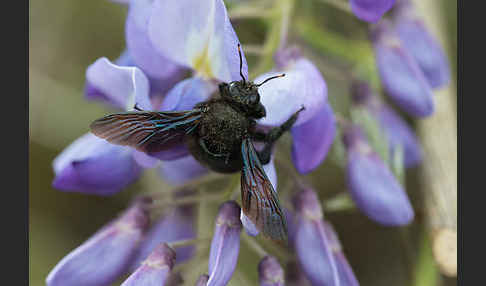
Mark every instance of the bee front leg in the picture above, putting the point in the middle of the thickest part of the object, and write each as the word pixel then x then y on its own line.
pixel 272 136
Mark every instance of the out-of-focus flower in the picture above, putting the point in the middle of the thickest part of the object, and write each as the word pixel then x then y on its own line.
pixel 397 131
pixel 175 224
pixel 270 272
pixel 311 244
pixel 423 46
pixel 373 187
pixel 107 254
pixel 370 10
pixel 179 171
pixel 155 270
pixel 346 274
pixel 225 245
pixel 303 85
pixel 400 74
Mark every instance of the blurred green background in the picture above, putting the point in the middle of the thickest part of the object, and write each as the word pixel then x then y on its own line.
pixel 67 36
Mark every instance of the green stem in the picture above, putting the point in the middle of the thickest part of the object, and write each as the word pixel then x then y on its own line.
pixel 338 4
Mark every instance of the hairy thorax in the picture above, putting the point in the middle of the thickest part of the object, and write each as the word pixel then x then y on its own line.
pixel 217 140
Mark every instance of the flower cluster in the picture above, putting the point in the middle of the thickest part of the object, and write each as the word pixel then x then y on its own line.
pixel 176 54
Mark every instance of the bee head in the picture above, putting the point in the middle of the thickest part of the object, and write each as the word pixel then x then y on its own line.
pixel 244 94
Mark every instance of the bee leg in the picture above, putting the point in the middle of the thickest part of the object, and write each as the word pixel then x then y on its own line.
pixel 205 148
pixel 272 136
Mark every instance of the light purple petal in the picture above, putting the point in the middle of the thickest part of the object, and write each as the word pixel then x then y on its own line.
pixel 94 166
pixel 249 226
pixel 178 224
pixel 106 255
pixel 180 171
pixel 424 48
pixel 175 153
pixel 346 274
pixel 155 270
pixel 154 64
pixel 314 252
pixel 225 245
pixel 122 87
pixel 400 74
pixel 312 140
pixel 270 272
pixel 370 10
pixel 187 93
pixel 373 187
pixel 271 173
pixel 126 2
pixel 125 59
pixel 197 34
pixel 303 85
pixel 400 134
pixel 145 160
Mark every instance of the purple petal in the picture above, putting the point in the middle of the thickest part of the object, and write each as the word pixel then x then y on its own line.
pixel 400 74
pixel 177 152
pixel 125 59
pixel 154 64
pixel 400 134
pixel 155 270
pixel 94 166
pixel 187 93
pixel 370 10
pixel 225 245
pixel 373 187
pixel 346 274
pixel 311 244
pixel 178 224
pixel 312 140
pixel 271 173
pixel 197 34
pixel 249 226
pixel 424 48
pixel 106 255
pixel 270 272
pixel 203 280
pixel 179 171
pixel 145 160
pixel 303 85
pixel 122 87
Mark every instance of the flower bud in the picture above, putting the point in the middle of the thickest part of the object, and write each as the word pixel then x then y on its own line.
pixel 203 280
pixel 373 187
pixel 312 247
pixel 270 272
pixel 225 245
pixel 155 270
pixel 400 74
pixel 107 254
pixel 370 10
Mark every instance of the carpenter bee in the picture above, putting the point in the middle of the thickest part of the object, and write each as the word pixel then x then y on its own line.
pixel 219 134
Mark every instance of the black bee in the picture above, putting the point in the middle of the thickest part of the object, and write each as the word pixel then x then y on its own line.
pixel 218 133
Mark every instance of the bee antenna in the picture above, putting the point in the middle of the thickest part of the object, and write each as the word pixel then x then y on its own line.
pixel 270 78
pixel 241 63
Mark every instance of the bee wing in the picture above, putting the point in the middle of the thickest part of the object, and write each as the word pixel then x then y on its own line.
pixel 147 131
pixel 259 199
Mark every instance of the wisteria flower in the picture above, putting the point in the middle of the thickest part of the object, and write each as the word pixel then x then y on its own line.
pixel 400 74
pixel 422 45
pixel 373 187
pixel 397 131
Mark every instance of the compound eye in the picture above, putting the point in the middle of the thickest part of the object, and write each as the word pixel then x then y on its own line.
pixel 254 98
pixel 233 89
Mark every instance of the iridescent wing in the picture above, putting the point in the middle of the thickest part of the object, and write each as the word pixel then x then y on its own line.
pixel 259 199
pixel 147 131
